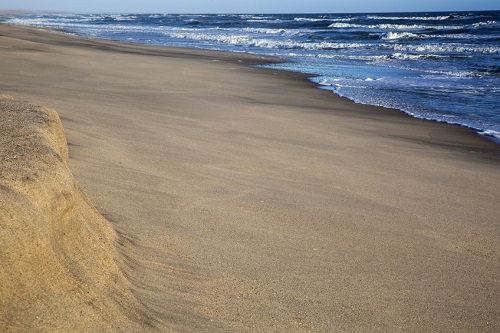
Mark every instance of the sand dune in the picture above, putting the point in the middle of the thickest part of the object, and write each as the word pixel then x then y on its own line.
pixel 242 199
pixel 57 252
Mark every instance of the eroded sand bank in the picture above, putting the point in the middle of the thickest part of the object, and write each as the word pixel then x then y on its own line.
pixel 57 252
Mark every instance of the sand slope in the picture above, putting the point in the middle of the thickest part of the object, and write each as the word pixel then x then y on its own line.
pixel 57 254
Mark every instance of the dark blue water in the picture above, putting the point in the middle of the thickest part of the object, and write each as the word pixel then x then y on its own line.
pixel 439 66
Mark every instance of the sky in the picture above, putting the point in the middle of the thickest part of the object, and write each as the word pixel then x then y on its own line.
pixel 250 6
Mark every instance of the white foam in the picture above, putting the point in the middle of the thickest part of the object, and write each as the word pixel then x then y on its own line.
pixel 121 17
pixel 394 26
pixel 259 20
pixel 249 41
pixel 344 25
pixel 350 57
pixel 444 48
pixel 492 133
pixel 481 24
pixel 403 56
pixel 307 19
pixel 410 18
pixel 279 32
pixel 325 81
pixel 400 35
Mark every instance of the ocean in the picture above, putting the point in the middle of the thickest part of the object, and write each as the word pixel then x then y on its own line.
pixel 439 66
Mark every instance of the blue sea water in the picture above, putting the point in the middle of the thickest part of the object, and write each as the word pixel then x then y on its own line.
pixel 439 66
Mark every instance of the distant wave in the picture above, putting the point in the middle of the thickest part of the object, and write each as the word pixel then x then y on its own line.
pixel 307 19
pixel 395 26
pixel 411 18
pixel 445 48
pixel 400 35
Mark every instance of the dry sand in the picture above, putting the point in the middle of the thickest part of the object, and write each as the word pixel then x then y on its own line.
pixel 244 200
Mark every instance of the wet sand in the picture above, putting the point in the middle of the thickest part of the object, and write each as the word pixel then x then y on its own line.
pixel 246 200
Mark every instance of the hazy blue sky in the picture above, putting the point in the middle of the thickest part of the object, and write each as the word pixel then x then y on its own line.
pixel 251 6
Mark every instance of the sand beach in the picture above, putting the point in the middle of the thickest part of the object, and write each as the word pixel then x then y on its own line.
pixel 148 188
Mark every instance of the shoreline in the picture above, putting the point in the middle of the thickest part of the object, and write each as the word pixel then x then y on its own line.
pixel 268 205
pixel 471 123
pixel 257 60
pixel 262 60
